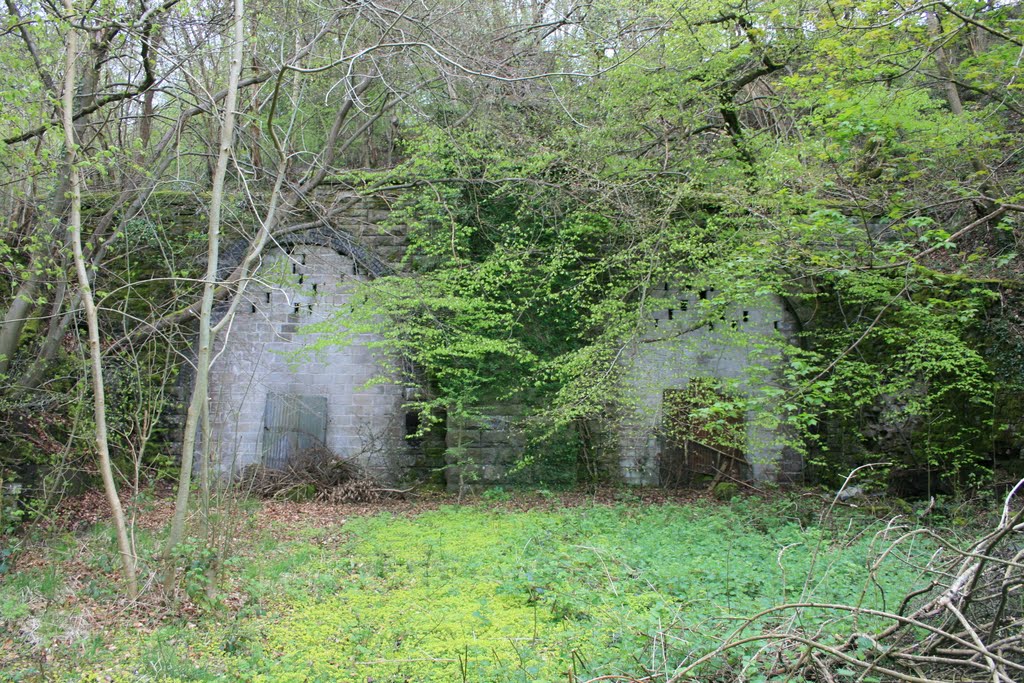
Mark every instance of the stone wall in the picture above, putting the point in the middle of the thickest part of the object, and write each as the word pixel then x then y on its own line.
pixel 676 349
pixel 362 219
pixel 256 365
pixel 482 448
pixel 270 394
pixel 308 278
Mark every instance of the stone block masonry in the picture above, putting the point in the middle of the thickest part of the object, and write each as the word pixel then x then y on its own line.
pixel 688 339
pixel 269 399
pixel 270 396
pixel 482 448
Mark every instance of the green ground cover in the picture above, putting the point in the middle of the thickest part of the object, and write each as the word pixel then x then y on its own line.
pixel 474 593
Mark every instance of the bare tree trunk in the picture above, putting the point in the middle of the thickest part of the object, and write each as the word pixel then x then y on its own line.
pixel 944 64
pixel 945 68
pixel 24 303
pixel 17 314
pixel 196 408
pixel 91 318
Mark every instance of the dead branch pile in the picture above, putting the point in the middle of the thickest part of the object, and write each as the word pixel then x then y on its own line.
pixel 965 623
pixel 315 474
pixel 353 491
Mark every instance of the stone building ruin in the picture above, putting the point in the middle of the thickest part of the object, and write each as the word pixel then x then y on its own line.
pixel 268 402
pixel 694 346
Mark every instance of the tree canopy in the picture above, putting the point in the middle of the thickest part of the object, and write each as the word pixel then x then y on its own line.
pixel 556 163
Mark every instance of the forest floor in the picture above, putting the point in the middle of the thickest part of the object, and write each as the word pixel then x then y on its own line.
pixel 532 587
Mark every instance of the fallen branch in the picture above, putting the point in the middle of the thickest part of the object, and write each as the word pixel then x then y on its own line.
pixel 966 625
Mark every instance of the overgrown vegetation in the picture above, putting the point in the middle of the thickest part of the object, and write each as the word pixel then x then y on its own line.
pixel 527 590
pixel 563 172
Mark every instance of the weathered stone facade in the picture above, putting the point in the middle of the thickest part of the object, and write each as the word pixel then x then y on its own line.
pixel 685 341
pixel 269 395
pixel 269 399
pixel 482 449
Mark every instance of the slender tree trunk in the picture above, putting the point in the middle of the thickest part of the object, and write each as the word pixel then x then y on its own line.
pixel 16 316
pixel 944 64
pixel 945 68
pixel 91 317
pixel 196 409
pixel 24 303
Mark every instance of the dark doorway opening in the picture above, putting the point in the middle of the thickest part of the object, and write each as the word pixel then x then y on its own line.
pixel 703 433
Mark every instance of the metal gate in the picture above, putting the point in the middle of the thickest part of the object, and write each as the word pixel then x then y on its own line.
pixel 292 423
pixel 696 446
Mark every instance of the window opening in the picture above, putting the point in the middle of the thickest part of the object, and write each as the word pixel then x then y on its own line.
pixel 412 429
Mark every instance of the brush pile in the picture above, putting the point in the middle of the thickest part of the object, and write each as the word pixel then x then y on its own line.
pixel 316 474
pixel 965 623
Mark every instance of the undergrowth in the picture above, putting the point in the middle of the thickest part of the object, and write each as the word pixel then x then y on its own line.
pixel 481 594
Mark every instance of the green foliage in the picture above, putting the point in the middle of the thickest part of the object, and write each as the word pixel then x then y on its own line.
pixel 910 383
pixel 725 491
pixel 485 594
pixel 503 273
pixel 840 154
pixel 551 458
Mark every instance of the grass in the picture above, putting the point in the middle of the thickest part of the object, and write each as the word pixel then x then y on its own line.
pixel 477 593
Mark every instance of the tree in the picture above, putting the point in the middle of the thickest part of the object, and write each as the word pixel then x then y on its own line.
pixel 825 152
pixel 198 402
pixel 128 561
